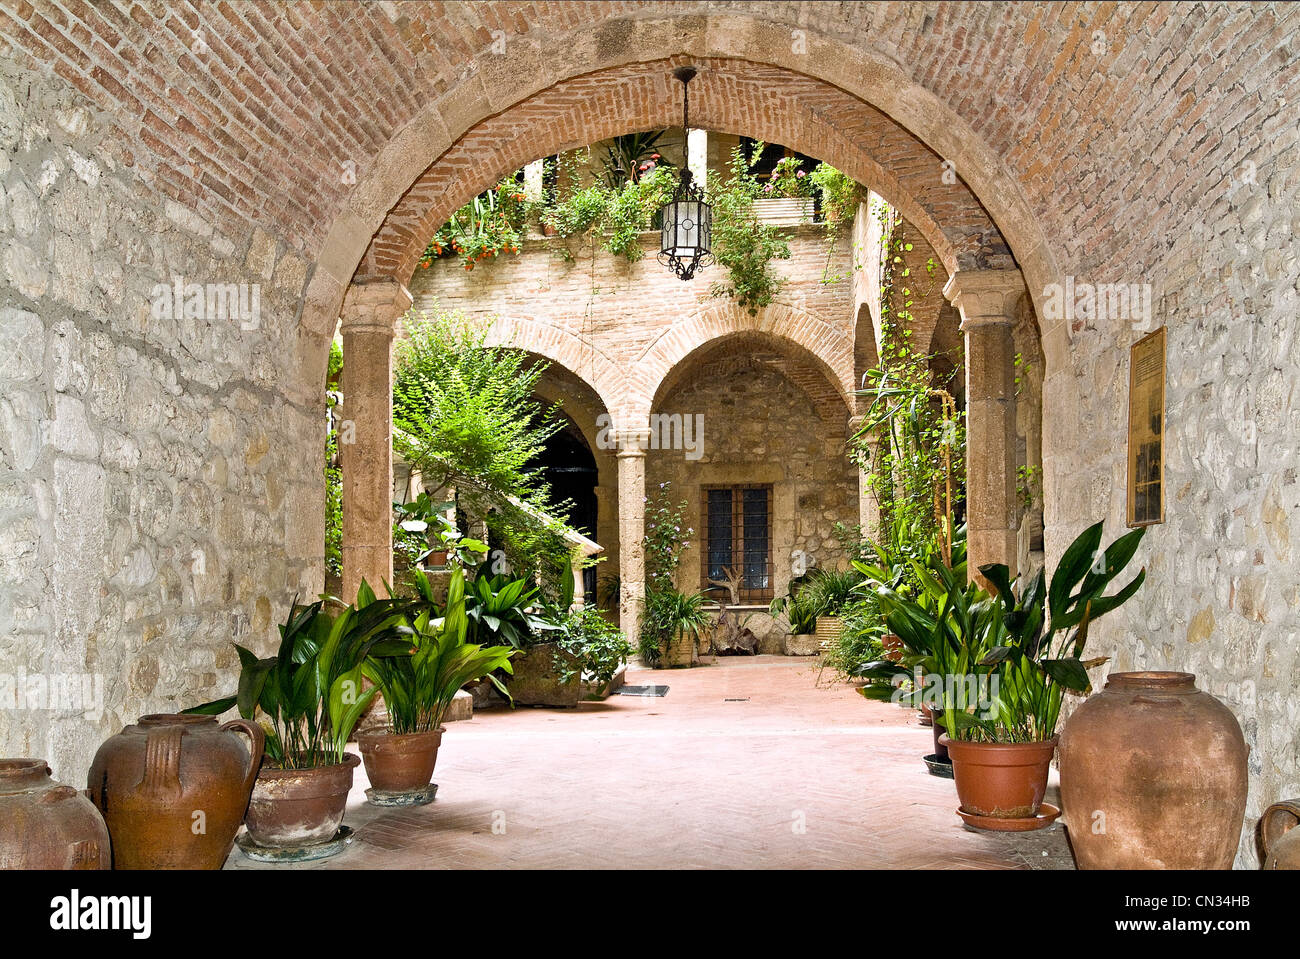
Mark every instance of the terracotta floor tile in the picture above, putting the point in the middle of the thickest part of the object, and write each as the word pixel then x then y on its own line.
pixel 795 777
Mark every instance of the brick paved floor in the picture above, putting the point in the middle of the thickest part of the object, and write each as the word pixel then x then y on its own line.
pixel 787 776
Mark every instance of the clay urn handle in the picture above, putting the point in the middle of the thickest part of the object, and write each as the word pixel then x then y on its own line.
pixel 1278 820
pixel 257 743
pixel 162 761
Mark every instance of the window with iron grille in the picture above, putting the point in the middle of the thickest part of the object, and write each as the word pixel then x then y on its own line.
pixel 738 539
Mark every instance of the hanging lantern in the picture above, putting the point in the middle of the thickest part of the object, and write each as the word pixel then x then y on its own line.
pixel 687 232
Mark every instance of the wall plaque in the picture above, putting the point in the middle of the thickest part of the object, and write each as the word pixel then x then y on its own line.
pixel 1146 430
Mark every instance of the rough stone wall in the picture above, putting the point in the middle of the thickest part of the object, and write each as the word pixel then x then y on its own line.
pixel 159 494
pixel 1209 220
pixel 760 428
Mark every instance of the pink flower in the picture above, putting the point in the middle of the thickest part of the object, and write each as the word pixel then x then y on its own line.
pixel 800 173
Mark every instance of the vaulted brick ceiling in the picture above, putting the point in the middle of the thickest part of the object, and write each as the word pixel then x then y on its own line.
pixel 1096 135
pixel 730 96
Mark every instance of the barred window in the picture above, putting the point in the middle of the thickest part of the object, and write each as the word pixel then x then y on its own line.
pixel 738 539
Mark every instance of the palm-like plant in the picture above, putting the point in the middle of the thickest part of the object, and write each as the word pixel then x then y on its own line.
pixel 1001 669
pixel 828 591
pixel 671 617
pixel 419 685
pixel 310 690
pixel 498 609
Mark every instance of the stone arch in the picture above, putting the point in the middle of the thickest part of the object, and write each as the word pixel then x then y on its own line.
pixel 580 358
pixel 866 349
pixel 556 386
pixel 827 347
pixel 729 96
pixel 495 82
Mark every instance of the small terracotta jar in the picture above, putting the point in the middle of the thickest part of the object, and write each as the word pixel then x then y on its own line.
pixel 174 788
pixel 1281 838
pixel 1153 776
pixel 46 825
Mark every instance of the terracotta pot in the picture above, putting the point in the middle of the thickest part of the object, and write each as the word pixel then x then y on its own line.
pixel 1280 837
pixel 173 789
pixel 45 824
pixel 936 727
pixel 893 647
pixel 1000 780
pixel 292 808
pixel 1153 776
pixel 399 763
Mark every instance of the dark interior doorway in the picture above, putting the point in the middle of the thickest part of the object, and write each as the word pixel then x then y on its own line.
pixel 570 468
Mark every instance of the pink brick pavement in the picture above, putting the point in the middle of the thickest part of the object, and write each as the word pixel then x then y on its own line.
pixel 793 776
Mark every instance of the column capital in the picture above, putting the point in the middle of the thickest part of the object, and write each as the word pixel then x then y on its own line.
pixel 985 297
pixel 373 304
pixel 632 442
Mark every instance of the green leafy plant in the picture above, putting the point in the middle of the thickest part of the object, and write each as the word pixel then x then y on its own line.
pixel 796 607
pixel 310 691
pixel 631 156
pixel 418 688
pixel 489 225
pixel 788 180
pixel 999 665
pixel 598 645
pixel 333 496
pixel 670 615
pixel 829 591
pixel 464 416
pixel 500 612
pixel 742 244
pixel 671 618
pixel 1047 629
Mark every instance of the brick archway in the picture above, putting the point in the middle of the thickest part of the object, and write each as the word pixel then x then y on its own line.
pixel 825 348
pixel 729 96
pixel 581 358
pixel 498 82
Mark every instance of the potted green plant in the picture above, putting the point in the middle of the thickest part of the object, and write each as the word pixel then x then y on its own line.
pixel 671 632
pixel 418 688
pixel 800 614
pixel 309 697
pixel 995 667
pixel 829 591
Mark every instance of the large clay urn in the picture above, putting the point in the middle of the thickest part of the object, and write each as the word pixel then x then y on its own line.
pixel 1153 776
pixel 296 808
pixel 1280 837
pixel 399 762
pixel 173 789
pixel 46 825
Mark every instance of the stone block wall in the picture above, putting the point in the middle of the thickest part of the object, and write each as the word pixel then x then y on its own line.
pixel 759 428
pixel 160 493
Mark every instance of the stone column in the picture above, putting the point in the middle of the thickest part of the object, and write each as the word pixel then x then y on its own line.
pixel 987 301
pixel 868 508
pixel 632 445
pixel 371 309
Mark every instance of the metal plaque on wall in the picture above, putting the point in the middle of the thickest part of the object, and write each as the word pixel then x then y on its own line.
pixel 1146 430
